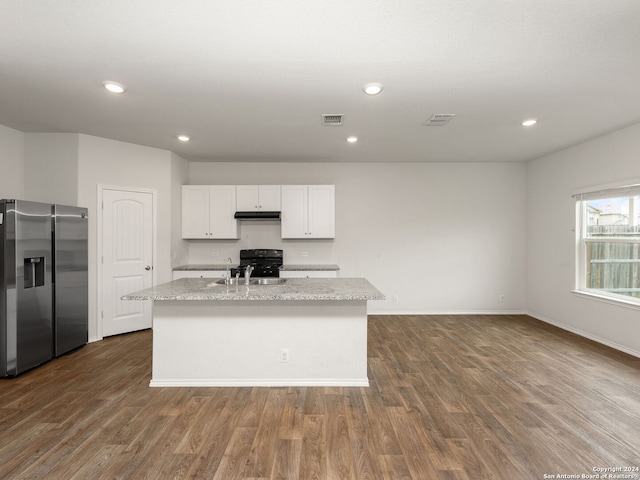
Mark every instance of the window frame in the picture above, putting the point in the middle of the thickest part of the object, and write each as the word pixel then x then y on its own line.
pixel 628 189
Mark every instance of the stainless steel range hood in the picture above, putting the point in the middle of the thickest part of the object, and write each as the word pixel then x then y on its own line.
pixel 257 216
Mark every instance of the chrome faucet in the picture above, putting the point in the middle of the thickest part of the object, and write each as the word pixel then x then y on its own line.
pixel 247 274
pixel 227 277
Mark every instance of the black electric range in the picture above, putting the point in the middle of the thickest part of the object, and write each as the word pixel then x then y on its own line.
pixel 265 262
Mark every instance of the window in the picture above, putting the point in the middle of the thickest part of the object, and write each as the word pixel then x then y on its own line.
pixel 608 243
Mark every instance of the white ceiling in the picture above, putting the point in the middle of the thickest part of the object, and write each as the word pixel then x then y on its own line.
pixel 248 80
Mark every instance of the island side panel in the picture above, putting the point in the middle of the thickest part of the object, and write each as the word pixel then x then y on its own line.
pixel 239 343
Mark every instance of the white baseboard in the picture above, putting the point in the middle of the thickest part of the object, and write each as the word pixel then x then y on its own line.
pixel 584 334
pixel 449 312
pixel 325 382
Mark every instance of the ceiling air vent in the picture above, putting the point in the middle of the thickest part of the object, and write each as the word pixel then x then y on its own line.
pixel 332 119
pixel 440 119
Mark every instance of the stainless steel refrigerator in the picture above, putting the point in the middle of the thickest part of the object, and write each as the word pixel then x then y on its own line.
pixel 70 278
pixel 43 284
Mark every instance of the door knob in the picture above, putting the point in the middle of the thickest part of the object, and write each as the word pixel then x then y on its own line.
pixel 147 267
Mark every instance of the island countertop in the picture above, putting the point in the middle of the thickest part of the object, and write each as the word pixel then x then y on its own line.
pixel 337 289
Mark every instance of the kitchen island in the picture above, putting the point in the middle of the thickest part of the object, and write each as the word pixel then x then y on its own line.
pixel 302 332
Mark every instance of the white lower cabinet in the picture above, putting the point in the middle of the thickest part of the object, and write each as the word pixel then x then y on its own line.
pixel 198 274
pixel 308 274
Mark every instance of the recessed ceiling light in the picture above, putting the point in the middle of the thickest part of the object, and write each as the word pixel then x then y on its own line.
pixel 372 88
pixel 114 87
pixel 529 123
pixel 183 138
pixel 352 139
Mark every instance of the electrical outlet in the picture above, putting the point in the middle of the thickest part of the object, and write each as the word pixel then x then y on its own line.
pixel 284 355
pixel 501 298
pixel 396 297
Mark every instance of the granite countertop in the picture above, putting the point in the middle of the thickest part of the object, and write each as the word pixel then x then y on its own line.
pixel 223 266
pixel 293 289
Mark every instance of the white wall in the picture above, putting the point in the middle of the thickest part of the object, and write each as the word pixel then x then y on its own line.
pixel 51 168
pixel 179 177
pixel 551 238
pixel 12 162
pixel 67 168
pixel 443 237
pixel 118 164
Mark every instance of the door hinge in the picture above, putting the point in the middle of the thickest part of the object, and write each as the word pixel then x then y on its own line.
pixel 102 314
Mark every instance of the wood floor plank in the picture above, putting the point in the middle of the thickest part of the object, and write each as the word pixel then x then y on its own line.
pixel 451 397
pixel 340 461
pixel 314 401
pixel 362 448
pixel 233 461
pixel 393 467
pixel 415 454
pixel 24 448
pixel 292 420
pixel 287 461
pixel 221 428
pixel 313 461
pixel 263 450
pixel 98 461
pixel 382 437
pixel 193 431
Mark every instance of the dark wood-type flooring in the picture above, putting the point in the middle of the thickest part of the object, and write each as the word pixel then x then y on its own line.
pixel 451 397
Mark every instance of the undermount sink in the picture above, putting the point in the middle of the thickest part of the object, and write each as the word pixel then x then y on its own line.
pixel 252 281
pixel 269 281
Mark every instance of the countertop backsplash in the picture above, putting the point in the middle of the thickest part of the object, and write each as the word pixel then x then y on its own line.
pixel 260 234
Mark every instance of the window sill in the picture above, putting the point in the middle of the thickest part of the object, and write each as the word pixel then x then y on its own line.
pixel 620 302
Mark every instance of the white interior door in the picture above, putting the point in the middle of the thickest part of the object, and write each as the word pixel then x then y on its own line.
pixel 127 259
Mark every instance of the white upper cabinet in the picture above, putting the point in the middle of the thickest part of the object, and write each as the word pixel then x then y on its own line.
pixel 252 198
pixel 195 211
pixel 295 211
pixel 322 211
pixel 207 212
pixel 308 211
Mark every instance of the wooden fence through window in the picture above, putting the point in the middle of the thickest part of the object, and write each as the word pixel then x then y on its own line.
pixel 614 266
